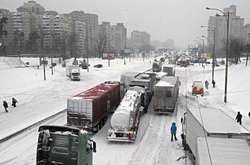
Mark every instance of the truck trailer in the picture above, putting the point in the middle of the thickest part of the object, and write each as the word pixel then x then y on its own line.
pixel 169 69
pixel 64 145
pixel 90 108
pixel 222 151
pixel 125 121
pixel 166 93
pixel 73 72
pixel 125 80
pixel 146 81
pixel 210 122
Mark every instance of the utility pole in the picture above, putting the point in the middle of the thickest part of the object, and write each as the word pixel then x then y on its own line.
pixel 227 15
pixel 227 54
pixel 44 71
pixel 52 66
pixel 248 51
pixel 214 57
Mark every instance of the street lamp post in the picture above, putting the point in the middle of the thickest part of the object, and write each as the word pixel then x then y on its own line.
pixel 213 57
pixel 227 49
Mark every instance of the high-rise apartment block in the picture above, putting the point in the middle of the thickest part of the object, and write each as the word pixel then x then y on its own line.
pixel 119 37
pixel 140 40
pixel 219 24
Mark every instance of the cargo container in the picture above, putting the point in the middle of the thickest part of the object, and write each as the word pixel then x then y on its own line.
pixel 156 66
pixel 146 81
pixel 64 145
pixel 210 122
pixel 125 80
pixel 90 109
pixel 166 93
pixel 222 151
pixel 169 69
pixel 125 121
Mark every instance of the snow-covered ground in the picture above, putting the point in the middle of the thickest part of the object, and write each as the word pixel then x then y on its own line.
pixel 39 99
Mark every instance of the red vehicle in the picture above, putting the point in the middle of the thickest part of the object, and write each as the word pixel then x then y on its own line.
pixel 90 109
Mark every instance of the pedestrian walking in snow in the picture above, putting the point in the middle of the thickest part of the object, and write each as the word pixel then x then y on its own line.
pixel 248 114
pixel 173 131
pixel 238 118
pixel 206 84
pixel 14 101
pixel 213 82
pixel 5 105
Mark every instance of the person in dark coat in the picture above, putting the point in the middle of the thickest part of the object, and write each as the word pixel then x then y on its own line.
pixel 213 82
pixel 5 105
pixel 238 118
pixel 14 101
pixel 248 114
pixel 173 131
pixel 206 84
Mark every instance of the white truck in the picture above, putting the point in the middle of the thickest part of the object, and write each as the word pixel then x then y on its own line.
pixel 169 69
pixel 166 93
pixel 125 81
pixel 210 122
pixel 125 120
pixel 73 72
pixel 224 151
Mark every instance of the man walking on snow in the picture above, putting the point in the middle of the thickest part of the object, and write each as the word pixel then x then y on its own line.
pixel 5 105
pixel 173 131
pixel 206 84
pixel 14 101
pixel 238 118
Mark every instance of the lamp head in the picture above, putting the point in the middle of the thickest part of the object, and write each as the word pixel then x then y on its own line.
pixel 207 8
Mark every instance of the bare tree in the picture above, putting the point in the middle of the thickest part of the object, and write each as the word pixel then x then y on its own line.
pixel 17 42
pixel 235 49
pixel 3 34
pixel 32 44
pixel 101 44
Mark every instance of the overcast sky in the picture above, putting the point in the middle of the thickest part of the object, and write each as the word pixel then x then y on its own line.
pixel 163 19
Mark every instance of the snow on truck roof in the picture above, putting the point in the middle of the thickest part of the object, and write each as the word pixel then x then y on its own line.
pixel 223 151
pixel 96 91
pixel 167 81
pixel 164 84
pixel 215 121
pixel 127 103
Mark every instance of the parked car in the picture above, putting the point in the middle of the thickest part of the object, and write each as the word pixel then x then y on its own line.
pixel 98 66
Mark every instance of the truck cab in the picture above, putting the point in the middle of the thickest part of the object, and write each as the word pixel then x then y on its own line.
pixel 73 72
pixel 60 145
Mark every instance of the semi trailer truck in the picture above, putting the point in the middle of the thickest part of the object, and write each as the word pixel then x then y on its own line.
pixel 60 145
pixel 125 120
pixel 90 108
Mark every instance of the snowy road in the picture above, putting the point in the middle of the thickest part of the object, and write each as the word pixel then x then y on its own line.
pixel 152 146
pixel 39 99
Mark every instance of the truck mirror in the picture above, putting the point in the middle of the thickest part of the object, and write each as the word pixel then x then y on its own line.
pixel 94 146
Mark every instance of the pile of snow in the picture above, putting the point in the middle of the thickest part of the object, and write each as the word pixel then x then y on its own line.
pixel 10 62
